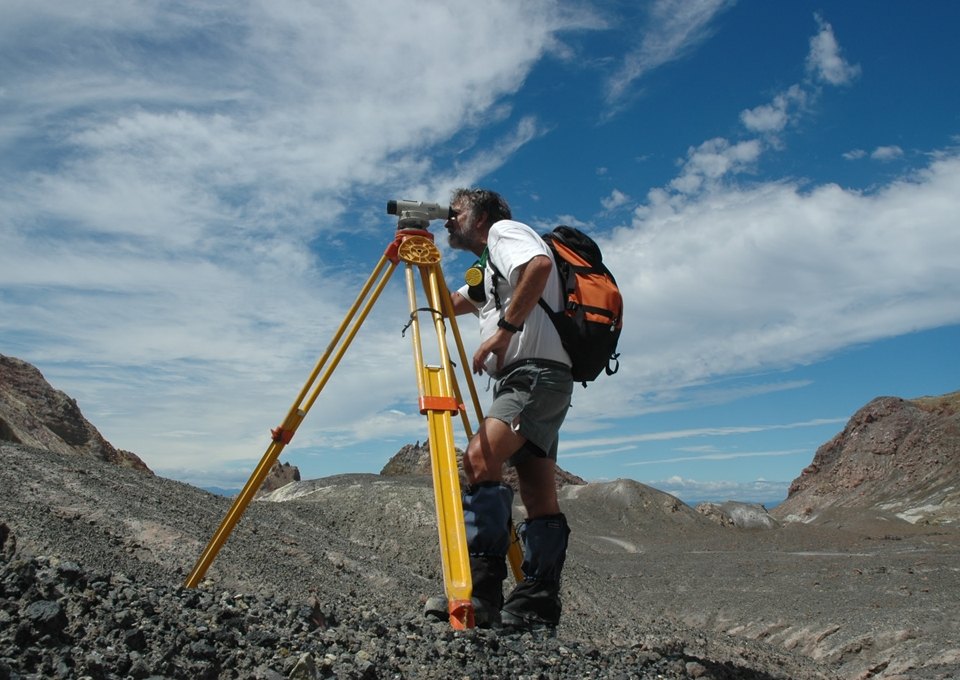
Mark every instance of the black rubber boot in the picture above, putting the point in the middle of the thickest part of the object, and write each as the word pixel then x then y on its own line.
pixel 535 601
pixel 487 574
pixel 487 508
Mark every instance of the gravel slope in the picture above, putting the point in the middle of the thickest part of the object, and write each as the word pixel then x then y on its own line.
pixel 330 585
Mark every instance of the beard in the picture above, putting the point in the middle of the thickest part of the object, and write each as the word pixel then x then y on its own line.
pixel 463 238
pixel 457 241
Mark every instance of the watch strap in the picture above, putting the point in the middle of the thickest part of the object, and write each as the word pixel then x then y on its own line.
pixel 506 325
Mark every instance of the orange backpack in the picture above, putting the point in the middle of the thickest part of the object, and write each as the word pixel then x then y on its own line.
pixel 592 318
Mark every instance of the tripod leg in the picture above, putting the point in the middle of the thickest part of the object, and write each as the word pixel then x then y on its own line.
pixel 438 404
pixel 283 434
pixel 446 489
pixel 515 551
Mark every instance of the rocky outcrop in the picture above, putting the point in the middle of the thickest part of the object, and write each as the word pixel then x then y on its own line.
pixel 35 414
pixel 736 514
pixel 411 459
pixel 279 476
pixel 896 456
pixel 414 459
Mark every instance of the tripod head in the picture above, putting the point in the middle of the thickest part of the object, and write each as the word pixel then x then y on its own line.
pixel 417 214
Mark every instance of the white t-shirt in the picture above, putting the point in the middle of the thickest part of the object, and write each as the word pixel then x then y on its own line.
pixel 511 245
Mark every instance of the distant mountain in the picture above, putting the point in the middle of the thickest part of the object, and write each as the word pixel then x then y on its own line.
pixel 414 459
pixel 221 491
pixel 895 456
pixel 35 414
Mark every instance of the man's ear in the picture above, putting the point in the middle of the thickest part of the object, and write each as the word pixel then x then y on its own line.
pixel 484 220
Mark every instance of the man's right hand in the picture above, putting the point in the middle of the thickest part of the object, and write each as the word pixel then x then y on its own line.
pixel 497 345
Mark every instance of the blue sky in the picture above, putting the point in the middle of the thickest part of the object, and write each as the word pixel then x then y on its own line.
pixel 191 194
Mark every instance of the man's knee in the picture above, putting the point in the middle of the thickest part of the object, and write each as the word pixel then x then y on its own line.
pixel 488 450
pixel 477 465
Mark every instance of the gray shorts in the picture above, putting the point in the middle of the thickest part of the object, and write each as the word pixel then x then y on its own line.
pixel 533 400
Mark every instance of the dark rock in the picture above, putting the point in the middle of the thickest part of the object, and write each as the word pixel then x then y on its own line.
pixel 46 616
pixel 135 640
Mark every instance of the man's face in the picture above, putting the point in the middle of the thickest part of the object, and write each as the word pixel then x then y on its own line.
pixel 462 228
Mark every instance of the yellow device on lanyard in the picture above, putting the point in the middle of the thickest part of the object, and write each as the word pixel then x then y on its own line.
pixel 474 278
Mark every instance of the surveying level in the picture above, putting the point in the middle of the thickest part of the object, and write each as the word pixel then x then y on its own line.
pixel 439 394
pixel 417 213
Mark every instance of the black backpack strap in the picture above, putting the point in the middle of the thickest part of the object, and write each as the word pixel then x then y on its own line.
pixel 496 279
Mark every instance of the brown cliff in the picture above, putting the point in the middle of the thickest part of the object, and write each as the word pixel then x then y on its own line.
pixel 895 455
pixel 35 414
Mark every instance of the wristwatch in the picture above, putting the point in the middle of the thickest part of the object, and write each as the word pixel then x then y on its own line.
pixel 507 326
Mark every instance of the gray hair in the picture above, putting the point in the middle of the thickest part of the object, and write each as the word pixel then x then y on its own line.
pixel 483 201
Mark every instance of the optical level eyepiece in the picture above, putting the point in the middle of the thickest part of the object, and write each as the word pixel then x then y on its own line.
pixel 419 210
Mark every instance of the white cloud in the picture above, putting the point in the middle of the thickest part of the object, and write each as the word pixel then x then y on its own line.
pixel 616 199
pixel 712 161
pixel 881 153
pixel 727 278
pixel 825 62
pixel 751 278
pixel 306 101
pixel 886 153
pixel 775 116
pixel 173 182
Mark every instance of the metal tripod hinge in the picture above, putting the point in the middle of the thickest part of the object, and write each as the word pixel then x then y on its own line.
pixel 440 399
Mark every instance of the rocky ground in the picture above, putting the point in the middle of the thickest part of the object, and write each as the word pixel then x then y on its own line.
pixel 329 583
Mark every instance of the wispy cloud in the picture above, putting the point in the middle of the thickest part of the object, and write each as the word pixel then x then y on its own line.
pixel 672 30
pixel 603 446
pixel 721 456
pixel 745 279
pixel 713 160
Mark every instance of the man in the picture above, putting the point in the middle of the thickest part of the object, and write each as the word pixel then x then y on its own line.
pixel 521 349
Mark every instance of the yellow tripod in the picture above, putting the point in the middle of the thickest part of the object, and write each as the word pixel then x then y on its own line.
pixel 439 399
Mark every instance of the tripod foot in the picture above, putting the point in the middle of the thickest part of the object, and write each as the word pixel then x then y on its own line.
pixel 461 614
